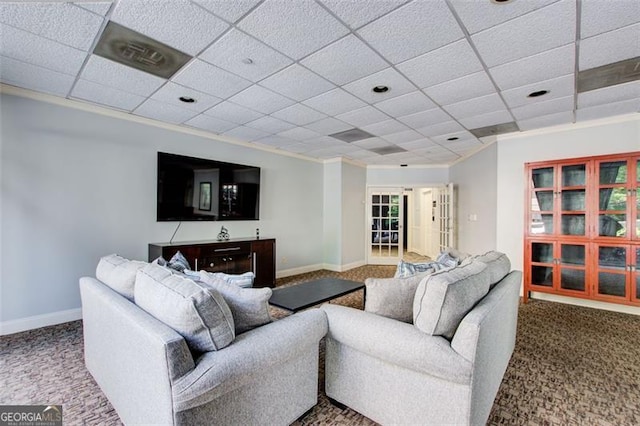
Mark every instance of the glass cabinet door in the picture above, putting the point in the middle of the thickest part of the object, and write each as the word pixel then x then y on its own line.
pixel 542 201
pixel 613 203
pixel 542 264
pixel 573 199
pixel 635 276
pixel 636 193
pixel 612 271
pixel 573 267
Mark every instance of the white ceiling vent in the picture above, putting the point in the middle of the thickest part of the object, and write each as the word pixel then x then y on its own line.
pixel 495 129
pixel 352 135
pixel 138 51
pixel 609 75
pixel 385 150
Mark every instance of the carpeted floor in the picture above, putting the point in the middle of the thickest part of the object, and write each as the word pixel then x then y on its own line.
pixel 571 365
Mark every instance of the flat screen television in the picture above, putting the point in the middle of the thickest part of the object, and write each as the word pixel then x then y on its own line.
pixel 192 189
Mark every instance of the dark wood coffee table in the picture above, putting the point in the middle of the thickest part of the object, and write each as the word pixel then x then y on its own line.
pixel 301 296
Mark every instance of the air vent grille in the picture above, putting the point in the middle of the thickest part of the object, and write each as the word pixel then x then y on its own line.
pixel 352 135
pixel 386 150
pixel 495 129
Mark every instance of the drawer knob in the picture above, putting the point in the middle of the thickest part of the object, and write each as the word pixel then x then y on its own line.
pixel 211 265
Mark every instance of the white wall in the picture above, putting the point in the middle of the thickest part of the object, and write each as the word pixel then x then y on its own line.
pixel 77 185
pixel 580 140
pixel 354 196
pixel 332 216
pixel 407 176
pixel 476 181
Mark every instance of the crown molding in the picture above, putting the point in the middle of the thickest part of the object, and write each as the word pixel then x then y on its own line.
pixel 345 160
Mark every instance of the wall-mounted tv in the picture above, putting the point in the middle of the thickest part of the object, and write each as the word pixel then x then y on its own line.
pixel 191 189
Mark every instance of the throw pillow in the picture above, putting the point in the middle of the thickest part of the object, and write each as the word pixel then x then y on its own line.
pixel 408 269
pixel 179 262
pixel 249 306
pixel 196 312
pixel 241 280
pixel 443 299
pixel 498 265
pixel 119 273
pixel 392 297
pixel 447 260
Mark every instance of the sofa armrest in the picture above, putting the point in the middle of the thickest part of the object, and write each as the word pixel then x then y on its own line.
pixel 245 359
pixel 397 343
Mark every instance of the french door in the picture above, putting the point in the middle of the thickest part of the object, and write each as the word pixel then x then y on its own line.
pixel 446 205
pixel 385 217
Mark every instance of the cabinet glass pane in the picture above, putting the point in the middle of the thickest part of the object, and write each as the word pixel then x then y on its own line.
pixel 637 213
pixel 612 257
pixel 542 275
pixel 638 287
pixel 613 199
pixel 612 225
pixel 542 178
pixel 573 200
pixel 572 279
pixel 542 252
pixel 572 224
pixel 542 224
pixel 542 201
pixel 571 254
pixel 613 172
pixel 612 284
pixel 573 175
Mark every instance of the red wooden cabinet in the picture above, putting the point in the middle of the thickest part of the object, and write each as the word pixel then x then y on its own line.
pixel 582 233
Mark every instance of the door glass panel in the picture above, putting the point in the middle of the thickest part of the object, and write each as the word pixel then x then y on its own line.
pixel 573 224
pixel 542 252
pixel 572 279
pixel 542 275
pixel 612 284
pixel 574 175
pixel 612 257
pixel 542 178
pixel 571 254
pixel 612 225
pixel 613 172
pixel 573 200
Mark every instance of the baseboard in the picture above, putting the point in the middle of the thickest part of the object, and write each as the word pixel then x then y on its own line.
pixel 342 268
pixel 614 307
pixel 38 321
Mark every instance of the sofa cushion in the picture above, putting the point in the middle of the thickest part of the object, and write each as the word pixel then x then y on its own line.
pixel 443 299
pixel 119 273
pixel 498 265
pixel 392 297
pixel 196 312
pixel 249 306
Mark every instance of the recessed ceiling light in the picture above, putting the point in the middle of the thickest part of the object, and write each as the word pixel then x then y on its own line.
pixel 403 165
pixel 187 99
pixel 380 89
pixel 538 93
pixel 247 61
pixel 455 138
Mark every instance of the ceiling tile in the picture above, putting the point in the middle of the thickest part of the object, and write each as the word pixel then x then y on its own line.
pixel 547 107
pixel 294 31
pixel 275 141
pixel 610 47
pixel 404 136
pixel 170 93
pixel 300 134
pixel 298 148
pixel 299 114
pixel 360 154
pixel 232 112
pixel 328 126
pixel 178 23
pixel 228 10
pixel 363 116
pixel 104 95
pixel 535 32
pixel 609 94
pixel 234 49
pixel 557 87
pixel 440 128
pixel 461 147
pixel 270 124
pixel 543 66
pixel 449 62
pixel 598 17
pixel 467 87
pixel 334 102
pixel 297 83
pixel 406 104
pixel 99 7
pixel 476 106
pixel 32 77
pixel 113 74
pixel 546 121
pixel 372 143
pixel 386 127
pixel 324 142
pixel 430 23
pixel 356 14
pixel 483 120
pixel 212 124
pixel 246 134
pixel 345 60
pixel 479 15
pixel 397 84
pixel 425 118
pixel 608 110
pixel 261 99
pixel 164 112
pixel 29 48
pixel 207 78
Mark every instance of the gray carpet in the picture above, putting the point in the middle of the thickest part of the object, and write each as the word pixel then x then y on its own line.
pixel 571 365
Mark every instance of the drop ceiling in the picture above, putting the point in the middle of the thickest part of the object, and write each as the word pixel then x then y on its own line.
pixel 287 74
